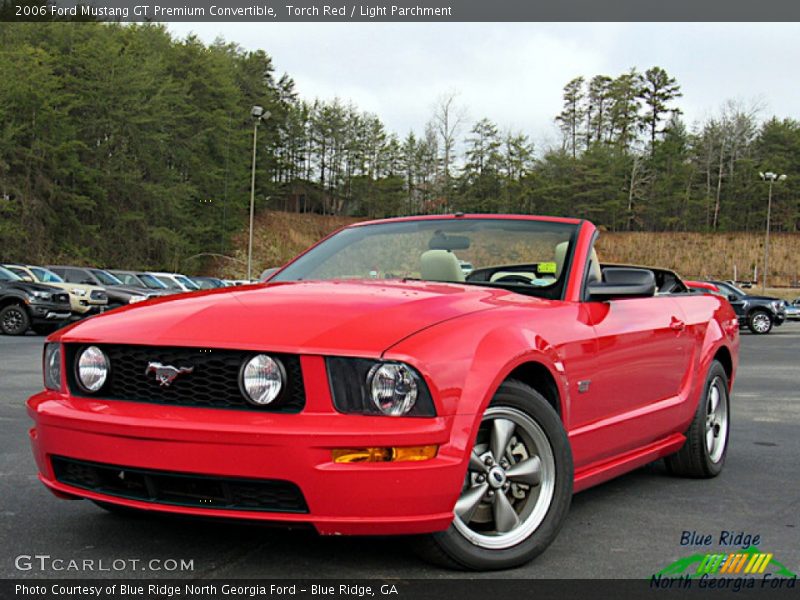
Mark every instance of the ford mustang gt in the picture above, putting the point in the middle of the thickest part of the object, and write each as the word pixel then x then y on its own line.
pixel 375 386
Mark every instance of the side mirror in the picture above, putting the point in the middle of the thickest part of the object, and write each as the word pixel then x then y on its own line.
pixel 87 282
pixel 623 282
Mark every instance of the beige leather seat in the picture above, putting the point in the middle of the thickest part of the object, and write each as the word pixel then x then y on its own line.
pixel 595 274
pixel 440 265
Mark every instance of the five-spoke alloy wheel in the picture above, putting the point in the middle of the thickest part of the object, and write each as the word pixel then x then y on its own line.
pixel 510 480
pixel 517 488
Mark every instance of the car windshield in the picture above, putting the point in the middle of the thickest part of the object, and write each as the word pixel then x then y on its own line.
pixel 729 288
pixel 105 277
pixel 525 255
pixel 168 282
pixel 187 282
pixel 6 275
pixel 151 282
pixel 45 275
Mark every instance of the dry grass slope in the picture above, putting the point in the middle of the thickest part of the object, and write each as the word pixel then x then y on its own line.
pixel 280 236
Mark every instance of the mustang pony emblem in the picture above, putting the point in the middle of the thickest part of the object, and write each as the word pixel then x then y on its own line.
pixel 166 374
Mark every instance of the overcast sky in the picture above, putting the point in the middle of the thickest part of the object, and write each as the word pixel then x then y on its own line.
pixel 513 73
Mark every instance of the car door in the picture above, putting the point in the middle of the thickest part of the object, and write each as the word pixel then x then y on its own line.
pixel 642 358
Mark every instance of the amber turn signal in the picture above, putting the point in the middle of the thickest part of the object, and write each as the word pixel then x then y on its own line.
pixel 404 454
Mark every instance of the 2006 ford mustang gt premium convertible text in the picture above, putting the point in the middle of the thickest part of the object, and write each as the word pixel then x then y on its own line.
pixel 374 387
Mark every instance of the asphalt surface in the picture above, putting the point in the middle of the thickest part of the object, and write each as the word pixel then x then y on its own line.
pixel 627 528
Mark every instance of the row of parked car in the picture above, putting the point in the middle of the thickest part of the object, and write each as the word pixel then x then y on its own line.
pixel 44 298
pixel 758 313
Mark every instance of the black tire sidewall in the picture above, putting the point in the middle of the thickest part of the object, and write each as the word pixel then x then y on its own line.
pixel 26 321
pixel 468 556
pixel 716 370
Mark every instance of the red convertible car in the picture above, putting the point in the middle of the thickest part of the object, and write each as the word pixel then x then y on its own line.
pixel 371 386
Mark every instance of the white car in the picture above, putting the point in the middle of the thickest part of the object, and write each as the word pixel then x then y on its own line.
pixel 176 282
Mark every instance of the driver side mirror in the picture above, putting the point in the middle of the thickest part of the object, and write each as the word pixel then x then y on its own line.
pixel 623 282
pixel 732 298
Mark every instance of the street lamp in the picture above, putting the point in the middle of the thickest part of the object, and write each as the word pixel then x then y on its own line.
pixel 258 113
pixel 770 177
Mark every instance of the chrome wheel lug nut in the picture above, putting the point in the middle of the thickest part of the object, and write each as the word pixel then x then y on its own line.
pixel 481 478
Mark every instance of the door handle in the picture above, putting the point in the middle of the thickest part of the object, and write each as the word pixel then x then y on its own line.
pixel 676 324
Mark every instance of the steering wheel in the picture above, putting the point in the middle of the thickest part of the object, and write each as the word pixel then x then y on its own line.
pixel 513 279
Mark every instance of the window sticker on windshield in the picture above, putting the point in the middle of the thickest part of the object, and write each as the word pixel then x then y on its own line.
pixel 546 267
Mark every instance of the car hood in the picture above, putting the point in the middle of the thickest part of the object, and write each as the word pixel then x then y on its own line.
pixel 28 286
pixel 762 299
pixel 125 289
pixel 344 318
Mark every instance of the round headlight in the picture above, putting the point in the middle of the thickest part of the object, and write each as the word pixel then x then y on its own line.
pixel 92 369
pixel 262 379
pixel 393 388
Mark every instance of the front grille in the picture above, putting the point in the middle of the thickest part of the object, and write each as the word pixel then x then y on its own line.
pixel 181 489
pixel 61 298
pixel 214 382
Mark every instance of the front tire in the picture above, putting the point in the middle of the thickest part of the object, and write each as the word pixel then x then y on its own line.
pixel 14 320
pixel 517 489
pixel 760 322
pixel 703 454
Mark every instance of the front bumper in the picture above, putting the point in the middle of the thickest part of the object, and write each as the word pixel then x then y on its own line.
pixel 85 307
pixel 49 312
pixel 89 310
pixel 357 498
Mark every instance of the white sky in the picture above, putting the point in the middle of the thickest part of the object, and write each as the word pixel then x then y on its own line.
pixel 513 73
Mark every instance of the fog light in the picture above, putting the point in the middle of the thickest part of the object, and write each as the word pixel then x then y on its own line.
pixel 92 369
pixel 262 379
pixel 399 454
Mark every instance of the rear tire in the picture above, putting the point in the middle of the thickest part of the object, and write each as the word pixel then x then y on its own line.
pixel 703 454
pixel 14 320
pixel 759 322
pixel 517 490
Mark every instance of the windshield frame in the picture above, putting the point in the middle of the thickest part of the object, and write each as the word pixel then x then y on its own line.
pixel 555 291
pixel 5 272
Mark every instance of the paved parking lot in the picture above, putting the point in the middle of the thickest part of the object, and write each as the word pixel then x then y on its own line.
pixel 630 527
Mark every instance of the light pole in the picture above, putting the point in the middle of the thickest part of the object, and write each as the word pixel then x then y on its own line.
pixel 770 177
pixel 258 113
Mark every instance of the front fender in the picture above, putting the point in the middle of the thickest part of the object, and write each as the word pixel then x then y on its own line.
pixel 720 334
pixel 465 360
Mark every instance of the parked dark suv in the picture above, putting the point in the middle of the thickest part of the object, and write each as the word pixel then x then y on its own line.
pixel 758 313
pixel 24 305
